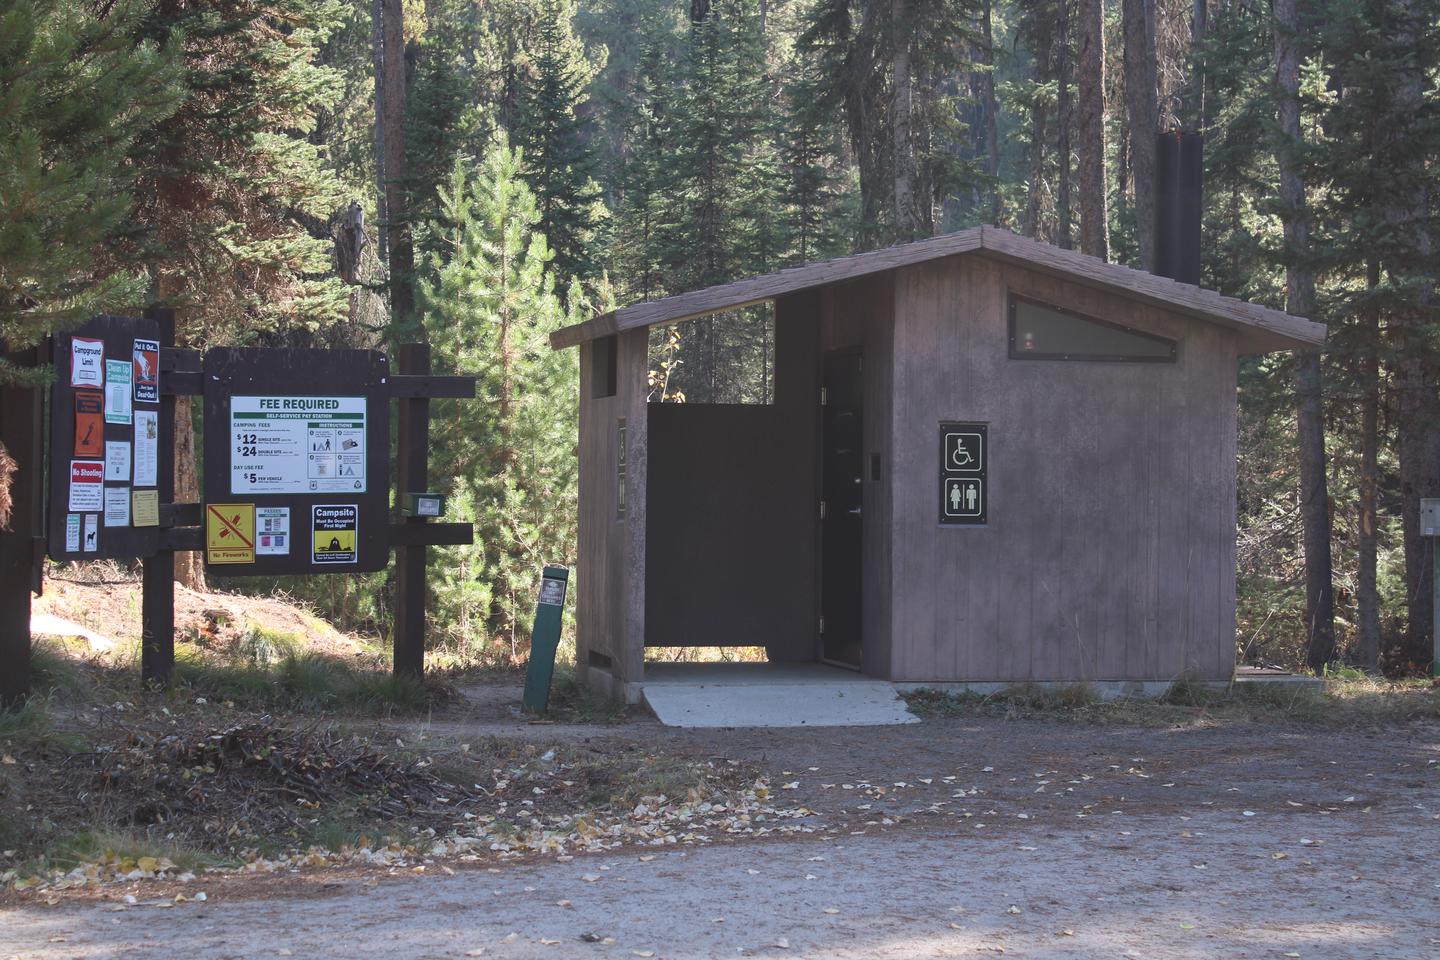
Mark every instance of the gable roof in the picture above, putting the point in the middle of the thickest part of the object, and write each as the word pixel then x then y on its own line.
pixel 1261 329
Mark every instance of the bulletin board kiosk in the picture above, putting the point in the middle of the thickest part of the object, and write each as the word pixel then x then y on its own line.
pixel 297 466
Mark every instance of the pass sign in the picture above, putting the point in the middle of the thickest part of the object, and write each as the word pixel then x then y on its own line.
pixel 963 466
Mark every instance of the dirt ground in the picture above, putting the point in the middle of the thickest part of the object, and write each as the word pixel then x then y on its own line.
pixel 941 839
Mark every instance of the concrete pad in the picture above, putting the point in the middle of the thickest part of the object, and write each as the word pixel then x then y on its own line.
pixel 777 702
pixel 49 625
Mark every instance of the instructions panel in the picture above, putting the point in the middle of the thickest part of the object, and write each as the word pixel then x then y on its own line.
pixel 297 444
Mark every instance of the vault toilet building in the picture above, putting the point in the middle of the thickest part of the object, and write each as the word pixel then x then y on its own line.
pixel 987 460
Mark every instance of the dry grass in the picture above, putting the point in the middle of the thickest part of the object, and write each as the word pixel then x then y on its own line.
pixel 1348 701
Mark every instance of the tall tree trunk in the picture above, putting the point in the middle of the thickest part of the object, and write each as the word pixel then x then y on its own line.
pixel 1064 213
pixel 402 250
pixel 908 221
pixel 1091 84
pixel 992 139
pixel 189 565
pixel 1309 391
pixel 1194 106
pixel 1038 118
pixel 1367 588
pixel 1416 376
pixel 377 56
pixel 1142 111
pixel 1039 130
pixel 862 115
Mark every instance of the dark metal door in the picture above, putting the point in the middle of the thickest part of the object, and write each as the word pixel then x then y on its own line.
pixel 842 491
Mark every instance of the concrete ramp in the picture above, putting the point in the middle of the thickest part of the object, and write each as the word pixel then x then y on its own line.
pixel 705 695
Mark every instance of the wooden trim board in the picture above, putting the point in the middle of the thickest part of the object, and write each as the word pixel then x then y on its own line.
pixel 1261 329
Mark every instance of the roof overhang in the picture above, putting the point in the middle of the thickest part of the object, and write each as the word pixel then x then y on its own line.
pixel 1260 329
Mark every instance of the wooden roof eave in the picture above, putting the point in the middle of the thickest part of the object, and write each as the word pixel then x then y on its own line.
pixel 1260 329
pixel 753 290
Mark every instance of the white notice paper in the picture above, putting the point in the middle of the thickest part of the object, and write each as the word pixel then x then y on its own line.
pixel 92 535
pixel 87 362
pixel 147 446
pixel 117 391
pixel 117 506
pixel 72 533
pixel 117 461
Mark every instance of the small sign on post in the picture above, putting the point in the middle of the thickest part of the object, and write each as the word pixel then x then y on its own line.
pixel 545 638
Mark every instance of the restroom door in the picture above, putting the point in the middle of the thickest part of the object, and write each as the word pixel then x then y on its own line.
pixel 842 474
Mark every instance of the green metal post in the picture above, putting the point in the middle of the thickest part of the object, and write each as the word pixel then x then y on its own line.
pixel 545 638
pixel 1430 530
pixel 1435 606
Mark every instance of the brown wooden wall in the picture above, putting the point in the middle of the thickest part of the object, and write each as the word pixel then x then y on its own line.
pixel 859 314
pixel 1110 549
pixel 731 509
pixel 610 587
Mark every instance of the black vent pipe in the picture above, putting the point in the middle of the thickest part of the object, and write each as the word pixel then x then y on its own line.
pixel 1179 171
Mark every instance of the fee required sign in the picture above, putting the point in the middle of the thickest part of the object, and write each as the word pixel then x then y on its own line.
pixel 297 444
pixel 304 437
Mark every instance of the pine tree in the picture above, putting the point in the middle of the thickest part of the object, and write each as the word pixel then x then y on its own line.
pixel 233 199
pixel 234 196
pixel 76 93
pixel 719 222
pixel 489 311
pixel 1300 300
pixel 645 176
pixel 560 165
pixel 818 224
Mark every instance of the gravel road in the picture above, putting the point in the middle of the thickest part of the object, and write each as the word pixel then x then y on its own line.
pixel 1130 886
pixel 943 839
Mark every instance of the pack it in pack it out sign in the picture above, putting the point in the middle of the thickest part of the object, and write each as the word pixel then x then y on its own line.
pixel 297 444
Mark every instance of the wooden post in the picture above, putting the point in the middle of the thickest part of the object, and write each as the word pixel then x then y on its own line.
pixel 157 602
pixel 20 423
pixel 413 448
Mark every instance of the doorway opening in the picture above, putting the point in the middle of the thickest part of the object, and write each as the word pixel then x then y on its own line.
pixel 842 467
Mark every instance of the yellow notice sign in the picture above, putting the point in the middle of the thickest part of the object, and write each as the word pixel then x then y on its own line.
pixel 144 508
pixel 230 533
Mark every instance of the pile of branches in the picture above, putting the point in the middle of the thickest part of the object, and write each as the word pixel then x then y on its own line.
pixel 259 779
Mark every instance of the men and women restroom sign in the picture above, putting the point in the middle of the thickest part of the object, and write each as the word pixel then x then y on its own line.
pixel 964 457
pixel 111 481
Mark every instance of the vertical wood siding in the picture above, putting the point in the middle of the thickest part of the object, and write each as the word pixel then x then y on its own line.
pixel 610 593
pixel 1110 549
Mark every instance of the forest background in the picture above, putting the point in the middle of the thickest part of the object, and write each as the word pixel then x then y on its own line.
pixel 477 173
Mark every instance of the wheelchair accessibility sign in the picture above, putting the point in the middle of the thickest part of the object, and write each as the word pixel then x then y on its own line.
pixel 963 469
pixel 965 450
pixel 333 528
